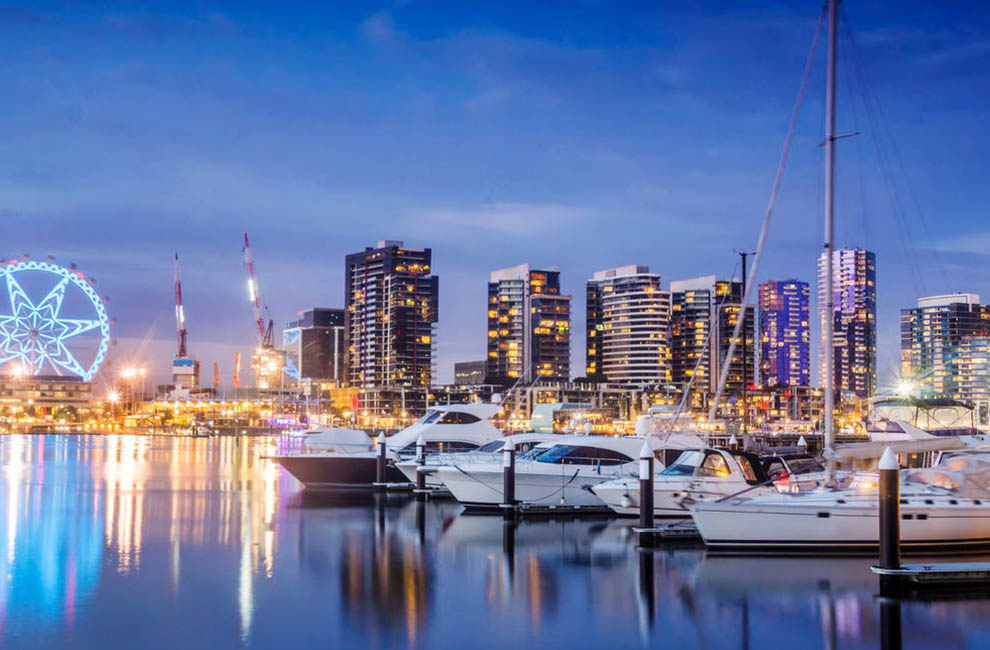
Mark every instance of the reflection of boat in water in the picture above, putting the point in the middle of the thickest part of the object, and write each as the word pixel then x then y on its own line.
pixel 459 427
pixel 576 539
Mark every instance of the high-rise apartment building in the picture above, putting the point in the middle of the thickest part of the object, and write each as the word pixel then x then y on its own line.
pixel 529 326
pixel 854 319
pixel 315 346
pixel 785 339
pixel 628 327
pixel 391 300
pixel 704 312
pixel 936 344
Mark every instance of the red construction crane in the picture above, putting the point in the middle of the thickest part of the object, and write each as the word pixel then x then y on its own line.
pixel 180 314
pixel 264 333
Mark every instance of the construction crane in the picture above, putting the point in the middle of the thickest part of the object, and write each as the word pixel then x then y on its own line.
pixel 180 315
pixel 266 360
pixel 185 371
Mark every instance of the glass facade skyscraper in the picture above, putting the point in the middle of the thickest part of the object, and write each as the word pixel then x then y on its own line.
pixel 943 345
pixel 785 338
pixel 854 291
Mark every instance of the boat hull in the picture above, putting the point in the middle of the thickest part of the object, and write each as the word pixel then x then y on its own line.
pixel 480 488
pixel 330 471
pixel 671 500
pixel 847 529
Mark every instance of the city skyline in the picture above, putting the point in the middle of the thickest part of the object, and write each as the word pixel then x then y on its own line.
pixel 636 141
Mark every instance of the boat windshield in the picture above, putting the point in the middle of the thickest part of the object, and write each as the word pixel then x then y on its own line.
pixel 685 465
pixel 430 417
pixel 492 446
pixel 580 455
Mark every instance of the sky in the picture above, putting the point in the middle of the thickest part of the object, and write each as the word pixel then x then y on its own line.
pixel 585 135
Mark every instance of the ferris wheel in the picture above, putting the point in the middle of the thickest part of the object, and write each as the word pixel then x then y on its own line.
pixel 51 321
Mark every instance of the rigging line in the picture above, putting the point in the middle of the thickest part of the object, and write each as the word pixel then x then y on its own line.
pixel 883 163
pixel 909 187
pixel 765 227
pixel 884 140
pixel 860 158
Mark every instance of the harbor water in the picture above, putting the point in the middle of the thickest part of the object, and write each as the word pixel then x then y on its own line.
pixel 159 542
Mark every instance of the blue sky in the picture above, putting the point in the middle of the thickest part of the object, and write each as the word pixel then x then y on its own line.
pixel 581 134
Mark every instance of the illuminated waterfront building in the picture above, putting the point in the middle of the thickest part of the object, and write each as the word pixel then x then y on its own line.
pixel 937 347
pixel 854 319
pixel 315 345
pixel 627 327
pixel 391 302
pixel 785 339
pixel 704 312
pixel 529 326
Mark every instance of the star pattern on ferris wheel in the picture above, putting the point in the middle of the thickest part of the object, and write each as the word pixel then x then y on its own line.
pixel 36 333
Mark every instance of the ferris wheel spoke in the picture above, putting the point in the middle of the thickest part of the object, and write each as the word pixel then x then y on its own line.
pixel 75 327
pixel 63 358
pixel 18 297
pixel 53 301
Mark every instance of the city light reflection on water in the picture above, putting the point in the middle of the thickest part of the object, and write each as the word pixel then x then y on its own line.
pixel 127 541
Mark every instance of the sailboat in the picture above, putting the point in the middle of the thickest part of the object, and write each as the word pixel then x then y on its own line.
pixel 941 510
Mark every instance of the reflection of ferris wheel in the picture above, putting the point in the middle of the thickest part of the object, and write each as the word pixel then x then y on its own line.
pixel 54 323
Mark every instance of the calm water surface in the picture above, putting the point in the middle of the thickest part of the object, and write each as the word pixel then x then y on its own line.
pixel 147 542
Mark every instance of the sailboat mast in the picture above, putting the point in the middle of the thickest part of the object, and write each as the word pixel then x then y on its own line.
pixel 828 325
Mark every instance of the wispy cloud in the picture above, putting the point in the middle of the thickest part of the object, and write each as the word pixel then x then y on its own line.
pixel 501 217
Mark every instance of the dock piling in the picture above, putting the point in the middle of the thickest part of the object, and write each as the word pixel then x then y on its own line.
pixel 420 466
pixel 646 494
pixel 509 480
pixel 890 519
pixel 380 466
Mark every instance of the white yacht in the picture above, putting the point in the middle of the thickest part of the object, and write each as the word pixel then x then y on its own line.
pixel 524 443
pixel 696 474
pixel 562 475
pixel 340 457
pixel 941 510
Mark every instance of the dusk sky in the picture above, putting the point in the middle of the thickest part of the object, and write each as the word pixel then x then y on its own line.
pixel 580 134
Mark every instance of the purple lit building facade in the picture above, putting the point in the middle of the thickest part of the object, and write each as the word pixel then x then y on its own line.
pixel 785 338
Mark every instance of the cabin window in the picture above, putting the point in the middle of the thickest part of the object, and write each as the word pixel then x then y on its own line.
pixel 685 465
pixel 747 469
pixel 456 417
pixel 430 417
pixel 775 469
pixel 577 455
pixel 713 465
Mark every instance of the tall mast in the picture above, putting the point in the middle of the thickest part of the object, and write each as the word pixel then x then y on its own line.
pixel 180 314
pixel 253 292
pixel 827 326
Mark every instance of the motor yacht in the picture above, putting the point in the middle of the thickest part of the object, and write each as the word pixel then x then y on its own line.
pixel 524 443
pixel 562 475
pixel 696 474
pixel 340 458
pixel 941 510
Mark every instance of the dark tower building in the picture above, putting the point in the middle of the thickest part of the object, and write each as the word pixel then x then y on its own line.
pixel 391 302
pixel 704 314
pixel 529 326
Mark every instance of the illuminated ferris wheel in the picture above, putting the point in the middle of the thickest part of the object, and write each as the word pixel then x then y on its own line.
pixel 52 322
